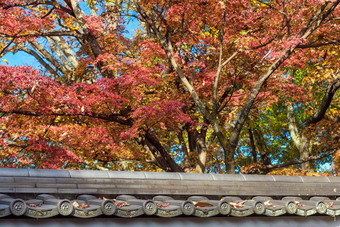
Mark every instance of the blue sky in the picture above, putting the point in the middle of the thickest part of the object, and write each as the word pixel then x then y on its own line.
pixel 20 58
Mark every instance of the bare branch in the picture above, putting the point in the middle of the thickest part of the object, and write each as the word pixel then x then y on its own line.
pixel 219 68
pixel 49 126
pixel 229 59
pixel 217 77
pixel 318 44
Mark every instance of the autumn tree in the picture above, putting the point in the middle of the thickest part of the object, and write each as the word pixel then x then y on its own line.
pixel 182 94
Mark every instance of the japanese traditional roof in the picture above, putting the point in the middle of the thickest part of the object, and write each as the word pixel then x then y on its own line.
pixel 46 193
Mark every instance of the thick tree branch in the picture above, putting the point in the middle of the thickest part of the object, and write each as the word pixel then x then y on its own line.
pixel 107 117
pixel 91 39
pixel 228 93
pixel 257 169
pixel 48 12
pixel 40 60
pixel 44 34
pixel 152 141
pixel 325 103
pixel 48 56
pixel 66 49
pixel 169 51
pixel 224 96
pixel 55 48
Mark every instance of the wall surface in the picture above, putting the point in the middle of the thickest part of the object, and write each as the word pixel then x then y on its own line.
pixel 284 221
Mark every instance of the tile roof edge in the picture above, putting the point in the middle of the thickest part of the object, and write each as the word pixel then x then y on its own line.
pixel 53 173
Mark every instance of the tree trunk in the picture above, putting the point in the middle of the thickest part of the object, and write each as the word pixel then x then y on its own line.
pixel 252 145
pixel 304 149
pixel 301 142
pixel 230 161
pixel 186 158
pixel 160 153
pixel 202 153
pixel 228 149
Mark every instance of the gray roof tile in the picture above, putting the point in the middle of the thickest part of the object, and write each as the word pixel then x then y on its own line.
pixel 228 177
pixel 197 176
pixel 88 174
pixel 48 173
pixel 162 176
pixel 13 172
pixel 312 179
pixel 334 179
pixel 124 174
pixel 281 178
pixel 144 186
pixel 6 179
pixel 259 178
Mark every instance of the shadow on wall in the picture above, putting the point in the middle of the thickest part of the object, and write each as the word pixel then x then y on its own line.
pixel 283 221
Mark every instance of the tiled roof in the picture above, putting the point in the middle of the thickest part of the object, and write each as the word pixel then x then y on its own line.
pixel 86 194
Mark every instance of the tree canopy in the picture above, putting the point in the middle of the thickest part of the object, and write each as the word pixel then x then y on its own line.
pixel 246 86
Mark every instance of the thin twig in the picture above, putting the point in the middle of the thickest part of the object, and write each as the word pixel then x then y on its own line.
pixel 4 49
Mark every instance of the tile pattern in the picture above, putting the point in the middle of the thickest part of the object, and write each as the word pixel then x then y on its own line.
pixel 87 194
pixel 127 206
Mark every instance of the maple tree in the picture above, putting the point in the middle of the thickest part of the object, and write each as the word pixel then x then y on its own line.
pixel 202 85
